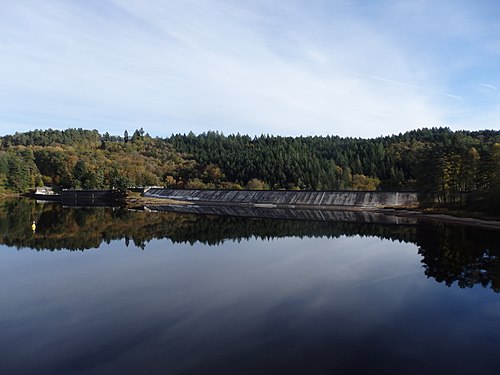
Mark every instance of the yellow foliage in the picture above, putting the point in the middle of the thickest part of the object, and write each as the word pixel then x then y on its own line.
pixel 362 182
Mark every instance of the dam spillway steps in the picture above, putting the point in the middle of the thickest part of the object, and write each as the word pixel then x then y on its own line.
pixel 287 198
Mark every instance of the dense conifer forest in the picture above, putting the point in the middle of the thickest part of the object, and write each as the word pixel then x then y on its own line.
pixel 448 167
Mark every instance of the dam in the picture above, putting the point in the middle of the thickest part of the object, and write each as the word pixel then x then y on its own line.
pixel 289 199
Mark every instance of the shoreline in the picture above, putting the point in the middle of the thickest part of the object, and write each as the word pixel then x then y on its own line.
pixel 420 214
pixel 447 218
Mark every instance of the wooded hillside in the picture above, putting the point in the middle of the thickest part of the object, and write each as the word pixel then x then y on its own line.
pixel 447 166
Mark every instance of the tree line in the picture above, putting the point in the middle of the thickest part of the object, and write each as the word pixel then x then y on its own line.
pixel 448 167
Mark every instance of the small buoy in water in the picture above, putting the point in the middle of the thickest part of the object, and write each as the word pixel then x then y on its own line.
pixel 33 227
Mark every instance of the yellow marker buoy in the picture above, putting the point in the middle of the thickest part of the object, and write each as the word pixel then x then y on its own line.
pixel 33 227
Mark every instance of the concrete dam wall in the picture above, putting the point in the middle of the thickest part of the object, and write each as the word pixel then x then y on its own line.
pixel 281 198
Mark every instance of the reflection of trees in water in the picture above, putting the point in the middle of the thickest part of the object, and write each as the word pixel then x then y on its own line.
pixel 84 228
pixel 449 253
pixel 466 255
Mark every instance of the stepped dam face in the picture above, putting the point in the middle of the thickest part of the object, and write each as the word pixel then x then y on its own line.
pixel 279 198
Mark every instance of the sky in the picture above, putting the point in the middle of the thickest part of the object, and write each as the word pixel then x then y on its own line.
pixel 312 67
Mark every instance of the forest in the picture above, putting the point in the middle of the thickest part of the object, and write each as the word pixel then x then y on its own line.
pixel 451 168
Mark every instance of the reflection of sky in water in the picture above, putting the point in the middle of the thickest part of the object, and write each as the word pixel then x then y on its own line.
pixel 300 305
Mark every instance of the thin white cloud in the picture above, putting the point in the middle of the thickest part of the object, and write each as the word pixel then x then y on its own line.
pixel 489 86
pixel 454 96
pixel 395 82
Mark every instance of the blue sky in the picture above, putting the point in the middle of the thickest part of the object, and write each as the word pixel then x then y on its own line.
pixel 349 68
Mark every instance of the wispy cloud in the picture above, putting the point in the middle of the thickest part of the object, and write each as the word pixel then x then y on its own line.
pixel 287 68
pixel 395 82
pixel 453 96
pixel 488 86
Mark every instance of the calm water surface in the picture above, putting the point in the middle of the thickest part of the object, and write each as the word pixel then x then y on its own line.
pixel 100 291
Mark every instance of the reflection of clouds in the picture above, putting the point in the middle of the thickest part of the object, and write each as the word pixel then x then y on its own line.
pixel 288 301
pixel 312 273
pixel 396 276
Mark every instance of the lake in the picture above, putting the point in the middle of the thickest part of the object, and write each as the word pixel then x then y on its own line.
pixel 106 290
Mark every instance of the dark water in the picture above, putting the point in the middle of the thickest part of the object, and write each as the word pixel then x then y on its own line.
pixel 103 291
